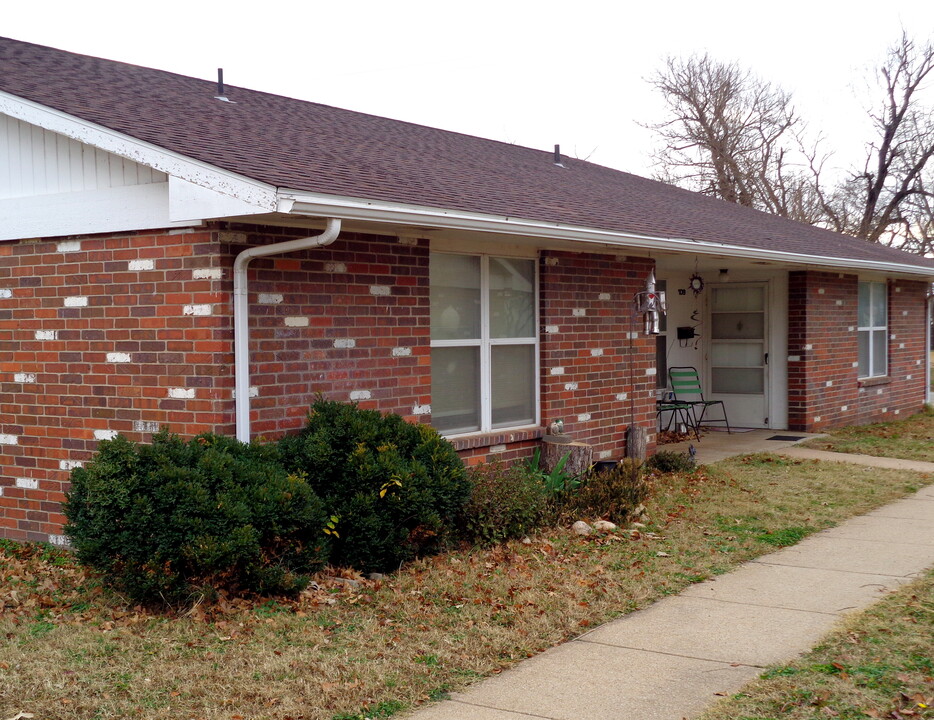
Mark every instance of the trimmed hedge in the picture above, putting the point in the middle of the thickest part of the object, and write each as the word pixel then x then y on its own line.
pixel 167 521
pixel 395 488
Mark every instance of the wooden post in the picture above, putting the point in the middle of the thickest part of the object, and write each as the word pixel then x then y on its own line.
pixel 579 461
pixel 636 440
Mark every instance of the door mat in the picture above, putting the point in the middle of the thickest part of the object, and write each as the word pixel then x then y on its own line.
pixel 786 438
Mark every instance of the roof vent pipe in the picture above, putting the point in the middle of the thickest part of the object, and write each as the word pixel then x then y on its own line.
pixel 242 314
pixel 557 154
pixel 220 82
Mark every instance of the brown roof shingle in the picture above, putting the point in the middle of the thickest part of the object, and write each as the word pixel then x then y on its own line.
pixel 305 146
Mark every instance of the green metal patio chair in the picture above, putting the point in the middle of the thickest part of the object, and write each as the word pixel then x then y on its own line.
pixel 685 384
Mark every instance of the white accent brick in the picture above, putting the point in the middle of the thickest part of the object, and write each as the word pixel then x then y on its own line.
pixel 622 396
pixel 794 358
pixel 904 312
pixel 579 312
pixel 494 449
pixel 604 454
pixel 119 357
pixel 808 347
pixel 345 343
pixel 421 409
pixel 651 372
pixel 24 377
pixel 634 335
pixel 46 334
pixel 901 346
pixel 335 267
pixel 76 301
pixel 917 362
pixel 69 464
pixel 105 434
pixel 829 383
pixel 379 289
pixel 360 395
pixel 145 426
pixel 838 302
pixel 9 440
pixel 269 298
pixel 557 371
pixel 570 386
pixel 892 336
pixel 583 417
pixel 898 289
pixel 401 351
pixel 59 540
pixel 603 296
pixel 885 409
pixel 6 293
pixel 296 321
pixel 409 241
pixel 820 291
pixel 897 411
pixel 551 261
pixel 817 418
pixel 181 393
pixel 68 246
pixel 879 392
pixel 844 408
pixel 138 265
pixel 855 363
pixel 197 310
pixel 207 273
pixel 551 329
pixel 908 377
pixel 27 483
pixel 597 352
pixel 851 328
pixel 252 392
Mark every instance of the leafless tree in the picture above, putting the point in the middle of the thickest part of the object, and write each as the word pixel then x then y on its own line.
pixel 732 135
pixel 737 137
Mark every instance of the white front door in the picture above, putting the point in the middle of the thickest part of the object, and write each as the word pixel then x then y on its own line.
pixel 738 352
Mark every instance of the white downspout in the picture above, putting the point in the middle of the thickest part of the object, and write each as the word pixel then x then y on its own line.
pixel 242 314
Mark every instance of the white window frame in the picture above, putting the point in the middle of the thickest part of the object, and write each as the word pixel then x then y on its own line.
pixel 486 343
pixel 874 328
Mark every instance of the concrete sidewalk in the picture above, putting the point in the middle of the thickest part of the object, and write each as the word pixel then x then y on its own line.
pixel 673 659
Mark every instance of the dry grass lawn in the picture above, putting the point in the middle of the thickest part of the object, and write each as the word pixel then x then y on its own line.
pixel 911 438
pixel 877 664
pixel 354 648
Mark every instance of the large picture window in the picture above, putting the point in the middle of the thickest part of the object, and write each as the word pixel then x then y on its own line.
pixel 873 329
pixel 484 343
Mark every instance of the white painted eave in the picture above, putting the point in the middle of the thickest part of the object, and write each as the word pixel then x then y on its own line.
pixel 349 208
pixel 258 195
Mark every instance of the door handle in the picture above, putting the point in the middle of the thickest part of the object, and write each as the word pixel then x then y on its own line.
pixel 766 358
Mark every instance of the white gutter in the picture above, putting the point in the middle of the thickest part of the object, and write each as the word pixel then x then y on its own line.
pixel 371 210
pixel 242 314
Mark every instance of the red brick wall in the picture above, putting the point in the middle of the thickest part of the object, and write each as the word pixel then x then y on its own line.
pixel 824 390
pixel 94 336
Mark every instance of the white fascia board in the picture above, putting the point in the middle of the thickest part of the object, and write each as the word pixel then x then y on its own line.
pixel 348 208
pixel 252 192
pixel 190 202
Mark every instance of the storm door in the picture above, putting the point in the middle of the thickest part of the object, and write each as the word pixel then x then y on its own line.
pixel 738 354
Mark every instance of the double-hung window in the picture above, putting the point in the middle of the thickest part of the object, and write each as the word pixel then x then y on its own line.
pixel 484 342
pixel 873 329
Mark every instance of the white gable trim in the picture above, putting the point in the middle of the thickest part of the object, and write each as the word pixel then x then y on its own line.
pixel 260 196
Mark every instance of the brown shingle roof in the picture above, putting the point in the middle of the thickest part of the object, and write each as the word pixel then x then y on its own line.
pixel 305 146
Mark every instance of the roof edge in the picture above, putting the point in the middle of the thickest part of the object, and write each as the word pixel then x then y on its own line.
pixel 303 203
pixel 253 192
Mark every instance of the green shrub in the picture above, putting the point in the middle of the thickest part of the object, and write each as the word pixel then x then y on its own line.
pixel 666 461
pixel 506 501
pixel 611 494
pixel 394 487
pixel 165 521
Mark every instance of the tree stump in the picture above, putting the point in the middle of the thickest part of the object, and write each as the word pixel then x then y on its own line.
pixel 636 439
pixel 579 461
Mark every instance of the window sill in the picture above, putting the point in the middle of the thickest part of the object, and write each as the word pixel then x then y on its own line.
pixel 873 381
pixel 497 437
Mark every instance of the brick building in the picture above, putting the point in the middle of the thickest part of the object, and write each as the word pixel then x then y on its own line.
pixel 481 287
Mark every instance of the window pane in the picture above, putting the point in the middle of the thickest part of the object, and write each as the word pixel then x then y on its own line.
pixel 455 389
pixel 736 380
pixel 863 353
pixel 513 380
pixel 879 352
pixel 879 304
pixel 738 298
pixel 864 298
pixel 512 298
pixel 738 325
pixel 455 296
pixel 737 354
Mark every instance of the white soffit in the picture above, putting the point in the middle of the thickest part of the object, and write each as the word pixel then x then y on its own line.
pixel 260 197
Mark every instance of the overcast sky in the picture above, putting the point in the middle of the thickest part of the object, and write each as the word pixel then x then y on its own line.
pixel 531 73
